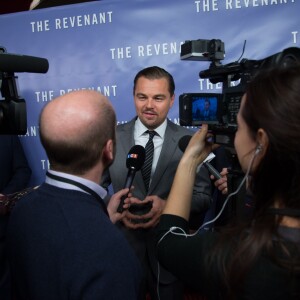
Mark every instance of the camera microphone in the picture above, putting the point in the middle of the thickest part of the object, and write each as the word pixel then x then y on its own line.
pixel 23 63
pixel 183 143
pixel 134 162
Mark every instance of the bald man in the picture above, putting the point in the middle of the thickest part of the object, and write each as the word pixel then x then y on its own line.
pixel 61 237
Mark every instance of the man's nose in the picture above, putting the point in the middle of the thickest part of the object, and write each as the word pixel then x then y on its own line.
pixel 149 103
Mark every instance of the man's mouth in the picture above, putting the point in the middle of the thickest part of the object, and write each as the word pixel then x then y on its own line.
pixel 149 113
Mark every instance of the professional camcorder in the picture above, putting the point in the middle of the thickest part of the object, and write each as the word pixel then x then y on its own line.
pixel 13 118
pixel 219 110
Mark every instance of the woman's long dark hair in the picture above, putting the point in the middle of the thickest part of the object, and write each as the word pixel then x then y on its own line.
pixel 273 104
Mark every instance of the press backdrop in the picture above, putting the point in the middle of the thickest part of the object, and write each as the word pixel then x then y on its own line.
pixel 102 45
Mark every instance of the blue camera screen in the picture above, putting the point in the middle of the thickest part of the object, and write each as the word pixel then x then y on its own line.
pixel 204 108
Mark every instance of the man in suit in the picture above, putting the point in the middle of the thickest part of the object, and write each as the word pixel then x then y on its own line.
pixel 14 176
pixel 208 114
pixel 61 238
pixel 153 97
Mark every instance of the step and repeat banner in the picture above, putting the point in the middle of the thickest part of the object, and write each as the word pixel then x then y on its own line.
pixel 101 45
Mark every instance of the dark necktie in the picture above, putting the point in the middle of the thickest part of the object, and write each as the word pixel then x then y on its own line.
pixel 149 149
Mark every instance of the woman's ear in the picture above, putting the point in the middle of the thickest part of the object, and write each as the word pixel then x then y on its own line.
pixel 262 141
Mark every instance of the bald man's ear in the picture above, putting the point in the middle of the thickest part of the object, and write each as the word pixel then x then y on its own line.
pixel 108 152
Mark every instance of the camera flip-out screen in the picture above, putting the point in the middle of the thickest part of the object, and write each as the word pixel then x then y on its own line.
pixel 198 108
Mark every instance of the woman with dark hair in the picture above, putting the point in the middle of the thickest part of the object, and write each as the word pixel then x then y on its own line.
pixel 260 259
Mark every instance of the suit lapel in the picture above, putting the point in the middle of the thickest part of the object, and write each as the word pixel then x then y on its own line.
pixel 168 148
pixel 125 136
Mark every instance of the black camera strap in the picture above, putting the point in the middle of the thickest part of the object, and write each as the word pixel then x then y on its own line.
pixel 81 186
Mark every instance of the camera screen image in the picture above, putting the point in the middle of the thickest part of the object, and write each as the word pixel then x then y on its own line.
pixel 204 109
pixel 198 108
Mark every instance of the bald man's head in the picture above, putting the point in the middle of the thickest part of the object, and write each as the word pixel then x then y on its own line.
pixel 74 128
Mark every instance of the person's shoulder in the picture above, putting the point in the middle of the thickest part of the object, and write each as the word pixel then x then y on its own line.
pixel 187 130
pixel 24 205
pixel 125 125
pixel 180 129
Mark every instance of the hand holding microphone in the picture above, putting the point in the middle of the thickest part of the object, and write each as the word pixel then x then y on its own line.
pixel 134 162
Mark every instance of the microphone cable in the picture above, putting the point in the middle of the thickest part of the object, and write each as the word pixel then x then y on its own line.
pixel 173 228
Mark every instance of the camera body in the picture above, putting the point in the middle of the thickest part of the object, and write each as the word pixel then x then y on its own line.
pixel 203 50
pixel 12 107
pixel 224 106
pixel 221 116
pixel 13 118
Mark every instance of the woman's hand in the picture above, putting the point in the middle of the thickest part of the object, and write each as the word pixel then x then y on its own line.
pixel 180 197
pixel 221 184
pixel 199 148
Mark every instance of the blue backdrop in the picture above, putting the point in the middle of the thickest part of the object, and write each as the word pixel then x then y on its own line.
pixel 102 45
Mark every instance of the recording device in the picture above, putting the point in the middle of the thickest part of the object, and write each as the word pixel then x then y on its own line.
pixel 23 63
pixel 13 116
pixel 223 122
pixel 203 50
pixel 134 162
pixel 183 143
pixel 198 108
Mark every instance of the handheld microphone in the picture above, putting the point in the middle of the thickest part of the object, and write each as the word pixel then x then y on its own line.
pixel 134 162
pixel 23 63
pixel 182 144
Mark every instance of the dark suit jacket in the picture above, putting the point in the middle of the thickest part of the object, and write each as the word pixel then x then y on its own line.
pixel 14 170
pixel 208 116
pixel 144 240
pixel 63 246
pixel 14 176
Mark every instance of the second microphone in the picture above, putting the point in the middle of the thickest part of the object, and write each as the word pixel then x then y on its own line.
pixel 134 162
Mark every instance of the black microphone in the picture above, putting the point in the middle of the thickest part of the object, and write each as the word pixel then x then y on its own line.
pixel 134 162
pixel 23 63
pixel 182 144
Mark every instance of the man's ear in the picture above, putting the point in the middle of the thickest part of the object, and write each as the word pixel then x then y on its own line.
pixel 262 140
pixel 172 101
pixel 108 151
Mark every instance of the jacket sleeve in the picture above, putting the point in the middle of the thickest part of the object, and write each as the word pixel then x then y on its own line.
pixel 202 198
pixel 19 171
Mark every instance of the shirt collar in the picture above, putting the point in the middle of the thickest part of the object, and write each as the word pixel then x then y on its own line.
pixel 92 185
pixel 141 128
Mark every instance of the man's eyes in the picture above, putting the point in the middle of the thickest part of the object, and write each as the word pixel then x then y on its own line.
pixel 158 99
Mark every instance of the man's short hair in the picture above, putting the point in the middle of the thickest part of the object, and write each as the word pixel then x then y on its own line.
pixel 155 72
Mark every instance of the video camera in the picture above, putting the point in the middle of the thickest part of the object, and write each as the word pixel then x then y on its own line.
pixel 13 118
pixel 219 110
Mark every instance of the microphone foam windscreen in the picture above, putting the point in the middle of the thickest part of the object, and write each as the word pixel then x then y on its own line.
pixel 183 142
pixel 23 63
pixel 136 157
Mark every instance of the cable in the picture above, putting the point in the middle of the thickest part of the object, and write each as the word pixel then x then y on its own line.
pixel 244 47
pixel 173 228
pixel 233 193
